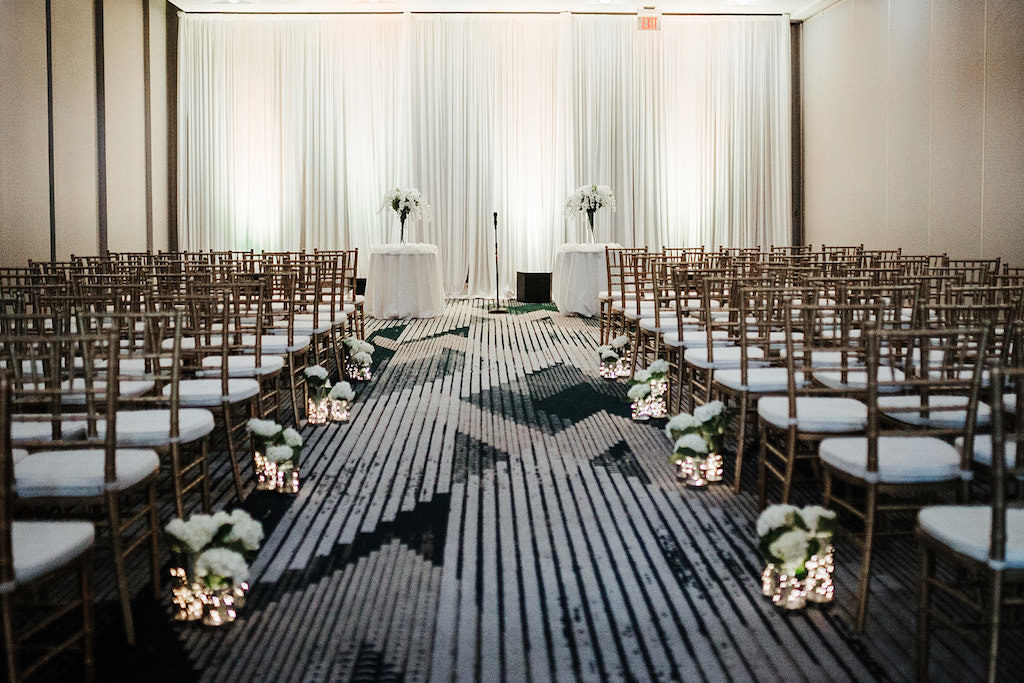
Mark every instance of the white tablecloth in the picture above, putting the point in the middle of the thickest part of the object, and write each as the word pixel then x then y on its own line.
pixel 404 281
pixel 580 273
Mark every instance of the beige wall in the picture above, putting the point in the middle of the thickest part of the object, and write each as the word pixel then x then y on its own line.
pixel 24 173
pixel 913 126
pixel 24 186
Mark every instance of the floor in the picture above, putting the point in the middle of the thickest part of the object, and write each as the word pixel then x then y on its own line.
pixel 492 513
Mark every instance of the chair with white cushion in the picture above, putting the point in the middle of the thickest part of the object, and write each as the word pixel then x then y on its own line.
pixel 985 542
pixel 757 374
pixel 790 426
pixel 91 475
pixel 33 555
pixel 157 420
pixel 895 467
pixel 233 399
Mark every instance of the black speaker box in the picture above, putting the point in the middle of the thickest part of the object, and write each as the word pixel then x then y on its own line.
pixel 533 288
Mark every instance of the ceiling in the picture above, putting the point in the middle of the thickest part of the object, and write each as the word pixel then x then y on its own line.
pixel 797 9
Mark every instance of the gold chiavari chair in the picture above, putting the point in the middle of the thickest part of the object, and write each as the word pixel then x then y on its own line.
pixel 89 476
pixel 789 426
pixel 761 373
pixel 983 542
pixel 156 420
pixel 35 555
pixel 208 333
pixel 906 457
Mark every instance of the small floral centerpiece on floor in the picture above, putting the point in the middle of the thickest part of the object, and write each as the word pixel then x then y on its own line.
pixel 276 456
pixel 698 465
pixel 609 362
pixel 359 358
pixel 588 199
pixel 341 397
pixel 405 203
pixel 317 386
pixel 211 557
pixel 620 345
pixel 652 399
pixel 796 544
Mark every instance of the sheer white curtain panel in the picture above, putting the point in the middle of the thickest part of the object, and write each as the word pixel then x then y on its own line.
pixel 292 127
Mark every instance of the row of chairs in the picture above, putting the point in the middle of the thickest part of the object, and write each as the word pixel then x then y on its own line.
pixel 863 370
pixel 119 370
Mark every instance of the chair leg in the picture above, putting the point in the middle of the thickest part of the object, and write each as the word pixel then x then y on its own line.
pixel 154 538
pixel 117 543
pixel 864 577
pixel 177 483
pixel 741 438
pixel 996 615
pixel 88 621
pixel 787 483
pixel 232 449
pixel 762 454
pixel 10 640
pixel 204 467
pixel 926 569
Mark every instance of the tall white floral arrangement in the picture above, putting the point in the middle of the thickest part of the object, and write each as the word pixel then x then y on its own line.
pixel 405 203
pixel 589 199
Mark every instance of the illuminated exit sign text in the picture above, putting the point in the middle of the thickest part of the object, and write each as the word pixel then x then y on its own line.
pixel 648 19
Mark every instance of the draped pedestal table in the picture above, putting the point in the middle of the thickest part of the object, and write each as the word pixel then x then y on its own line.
pixel 579 275
pixel 404 281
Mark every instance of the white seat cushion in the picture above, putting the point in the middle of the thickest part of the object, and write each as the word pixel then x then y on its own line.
pixel 1010 403
pixel 80 472
pixel 967 529
pixel 242 366
pixel 207 392
pixel 128 388
pixel 41 547
pixel 668 324
pixel 943 419
pixel 827 358
pixel 815 414
pixel 697 338
pixel 127 367
pixel 153 427
pixel 858 379
pixel 983 449
pixel 304 325
pixel 275 343
pixel 724 356
pixel 901 459
pixel 761 380
pixel 22 431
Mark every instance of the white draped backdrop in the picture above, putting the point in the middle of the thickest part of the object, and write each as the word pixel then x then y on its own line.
pixel 291 129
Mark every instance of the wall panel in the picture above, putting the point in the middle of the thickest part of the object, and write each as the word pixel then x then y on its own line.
pixel 24 164
pixel 934 149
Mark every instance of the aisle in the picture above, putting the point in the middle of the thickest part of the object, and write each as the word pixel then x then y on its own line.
pixel 492 513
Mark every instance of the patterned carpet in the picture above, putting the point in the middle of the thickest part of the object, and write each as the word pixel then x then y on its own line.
pixel 492 513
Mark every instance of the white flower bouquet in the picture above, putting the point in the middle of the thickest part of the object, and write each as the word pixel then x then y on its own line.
pixel 212 553
pixel 359 359
pixel 796 544
pixel 342 391
pixel 608 367
pixel 316 378
pixel 589 199
pixel 277 456
pixel 406 203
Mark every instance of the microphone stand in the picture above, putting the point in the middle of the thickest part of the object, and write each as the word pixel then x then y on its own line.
pixel 497 280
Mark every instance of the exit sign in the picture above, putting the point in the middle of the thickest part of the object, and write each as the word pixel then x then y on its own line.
pixel 648 19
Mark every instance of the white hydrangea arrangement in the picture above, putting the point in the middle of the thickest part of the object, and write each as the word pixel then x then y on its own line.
pixel 216 547
pixel 589 199
pixel 620 343
pixel 639 391
pixel 405 203
pixel 708 422
pixel 342 391
pixel 316 378
pixel 274 438
pixel 789 536
pixel 607 354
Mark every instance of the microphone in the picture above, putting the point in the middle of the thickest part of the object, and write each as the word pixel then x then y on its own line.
pixel 497 280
